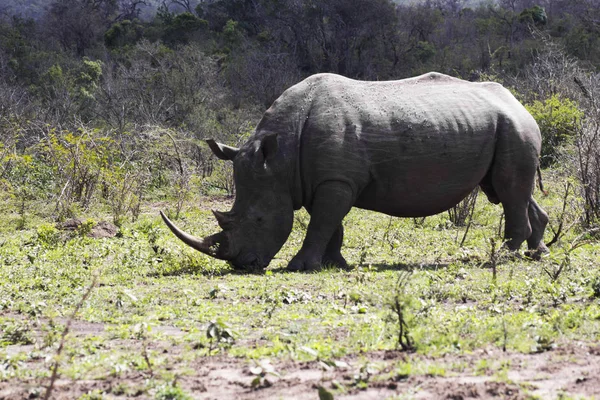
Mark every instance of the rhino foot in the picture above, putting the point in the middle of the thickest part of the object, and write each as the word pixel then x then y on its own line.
pixel 298 264
pixel 536 254
pixel 336 260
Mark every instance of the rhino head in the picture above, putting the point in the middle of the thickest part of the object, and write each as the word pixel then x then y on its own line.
pixel 262 215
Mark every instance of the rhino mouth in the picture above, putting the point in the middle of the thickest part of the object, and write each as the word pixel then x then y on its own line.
pixel 249 261
pixel 215 245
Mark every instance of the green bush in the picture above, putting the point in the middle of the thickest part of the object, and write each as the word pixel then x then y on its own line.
pixel 559 119
pixel 48 235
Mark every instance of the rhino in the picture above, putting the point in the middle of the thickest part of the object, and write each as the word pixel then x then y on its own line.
pixel 406 148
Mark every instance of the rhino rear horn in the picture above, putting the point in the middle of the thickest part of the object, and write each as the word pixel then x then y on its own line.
pixel 224 219
pixel 210 245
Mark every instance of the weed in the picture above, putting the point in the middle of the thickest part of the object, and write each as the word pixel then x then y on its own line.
pixel 85 228
pixel 141 331
pixel 542 343
pixel 361 379
pixel 324 394
pixel 61 346
pixel 262 370
pixel 493 262
pixel 400 304
pixel 95 394
pixel 583 239
pixel 171 391
pixel 16 332
pixel 595 286
pixel 219 333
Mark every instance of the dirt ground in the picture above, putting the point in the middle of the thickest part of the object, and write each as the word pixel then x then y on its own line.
pixel 572 370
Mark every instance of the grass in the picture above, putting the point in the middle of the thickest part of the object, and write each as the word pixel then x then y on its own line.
pixel 156 299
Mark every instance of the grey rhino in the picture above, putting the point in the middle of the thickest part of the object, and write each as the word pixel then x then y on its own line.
pixel 408 148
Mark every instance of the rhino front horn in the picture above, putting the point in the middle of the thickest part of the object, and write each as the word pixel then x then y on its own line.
pixel 211 245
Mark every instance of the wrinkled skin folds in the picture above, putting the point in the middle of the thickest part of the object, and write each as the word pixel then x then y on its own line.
pixel 407 148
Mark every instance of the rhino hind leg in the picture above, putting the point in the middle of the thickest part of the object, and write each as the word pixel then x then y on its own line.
pixel 333 252
pixel 512 177
pixel 331 202
pixel 517 226
pixel 488 189
pixel 538 219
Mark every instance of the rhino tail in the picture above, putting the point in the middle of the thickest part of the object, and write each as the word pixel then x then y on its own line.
pixel 540 181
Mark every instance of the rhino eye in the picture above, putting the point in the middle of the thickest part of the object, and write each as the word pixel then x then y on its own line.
pixel 259 220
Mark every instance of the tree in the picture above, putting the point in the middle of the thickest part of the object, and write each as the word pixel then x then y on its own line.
pixel 77 24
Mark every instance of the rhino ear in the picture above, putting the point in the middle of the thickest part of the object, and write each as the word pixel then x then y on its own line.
pixel 222 151
pixel 269 146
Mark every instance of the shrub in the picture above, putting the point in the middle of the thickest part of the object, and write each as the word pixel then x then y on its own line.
pixel 588 168
pixel 48 235
pixel 559 120
pixel 24 179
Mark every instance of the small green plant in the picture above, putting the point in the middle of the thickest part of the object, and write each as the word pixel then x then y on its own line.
pixel 324 394
pixel 595 286
pixel 361 379
pixel 555 271
pixel 542 343
pixel 95 394
pixel 141 332
pixel 494 255
pixel 15 332
pixel 219 332
pixel 400 305
pixel 262 370
pixel 171 391
pixel 85 228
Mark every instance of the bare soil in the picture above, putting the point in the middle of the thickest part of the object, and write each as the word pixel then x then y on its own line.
pixel 572 369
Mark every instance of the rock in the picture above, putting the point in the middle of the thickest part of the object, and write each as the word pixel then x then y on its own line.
pixel 70 225
pixel 103 229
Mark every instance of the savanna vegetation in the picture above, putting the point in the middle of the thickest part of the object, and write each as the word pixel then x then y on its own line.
pixel 103 108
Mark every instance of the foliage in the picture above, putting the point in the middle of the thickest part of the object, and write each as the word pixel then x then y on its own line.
pixel 335 319
pixel 536 15
pixel 15 333
pixel 123 33
pixel 87 80
pixel 559 120
pixel 24 179
pixel 77 159
pixel 47 235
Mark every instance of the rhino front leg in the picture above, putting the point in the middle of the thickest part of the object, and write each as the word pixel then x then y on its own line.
pixel 331 203
pixel 333 252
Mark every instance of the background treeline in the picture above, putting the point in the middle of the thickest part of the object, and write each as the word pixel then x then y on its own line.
pixel 105 102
